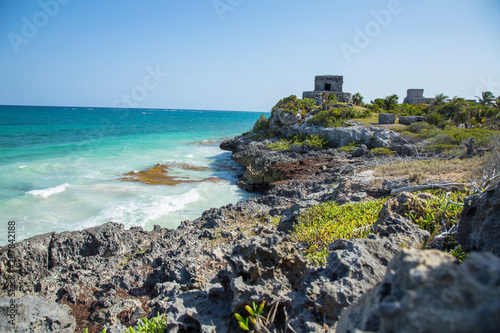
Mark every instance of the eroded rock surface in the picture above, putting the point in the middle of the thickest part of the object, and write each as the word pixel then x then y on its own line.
pixel 479 228
pixel 427 291
pixel 34 314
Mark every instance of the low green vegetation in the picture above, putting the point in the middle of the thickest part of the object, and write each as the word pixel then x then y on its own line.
pixel 261 125
pixel 382 151
pixel 337 117
pixel 320 225
pixel 256 318
pixel 315 142
pixel 295 105
pixel 280 145
pixel 154 325
pixel 447 138
pixel 439 214
pixel 350 147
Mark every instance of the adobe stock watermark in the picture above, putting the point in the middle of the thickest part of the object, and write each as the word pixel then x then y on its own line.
pixel 31 27
pixel 487 84
pixel 140 92
pixel 224 6
pixel 364 36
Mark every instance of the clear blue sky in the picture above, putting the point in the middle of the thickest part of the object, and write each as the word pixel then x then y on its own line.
pixel 242 55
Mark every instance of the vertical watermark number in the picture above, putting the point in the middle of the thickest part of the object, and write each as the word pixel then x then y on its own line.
pixel 10 277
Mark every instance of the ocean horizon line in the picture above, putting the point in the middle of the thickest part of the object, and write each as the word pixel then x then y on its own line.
pixel 121 108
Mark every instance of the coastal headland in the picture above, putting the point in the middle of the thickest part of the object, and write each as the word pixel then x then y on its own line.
pixel 413 266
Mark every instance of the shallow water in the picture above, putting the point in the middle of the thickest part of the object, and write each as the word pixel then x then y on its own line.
pixel 61 168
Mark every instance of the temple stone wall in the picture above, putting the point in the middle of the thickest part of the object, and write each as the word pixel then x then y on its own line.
pixel 416 96
pixel 329 84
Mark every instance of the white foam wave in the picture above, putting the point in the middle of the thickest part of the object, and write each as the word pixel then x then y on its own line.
pixel 141 210
pixel 23 166
pixel 189 156
pixel 45 193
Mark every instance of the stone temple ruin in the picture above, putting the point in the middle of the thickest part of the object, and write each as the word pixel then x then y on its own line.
pixel 416 96
pixel 329 84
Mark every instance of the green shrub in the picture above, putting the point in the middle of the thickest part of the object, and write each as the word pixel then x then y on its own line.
pixel 154 325
pixel 269 134
pixel 410 137
pixel 261 125
pixel 361 113
pixel 448 138
pixel 280 145
pixel 329 118
pixel 329 100
pixel 308 105
pixel 314 141
pixel 440 147
pixel 437 214
pixel 289 104
pixel 382 151
pixel 418 127
pixel 413 110
pixel 375 108
pixel 350 147
pixel 320 225
pixel 443 138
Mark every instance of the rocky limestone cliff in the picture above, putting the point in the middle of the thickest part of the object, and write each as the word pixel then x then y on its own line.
pixel 204 271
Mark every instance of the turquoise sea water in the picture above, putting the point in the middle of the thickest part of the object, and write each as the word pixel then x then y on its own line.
pixel 60 168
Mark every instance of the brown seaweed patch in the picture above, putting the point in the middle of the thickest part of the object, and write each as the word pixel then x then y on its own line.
pixel 159 175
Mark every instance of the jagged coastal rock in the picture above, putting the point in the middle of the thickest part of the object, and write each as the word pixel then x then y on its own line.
pixel 479 229
pixel 35 314
pixel 426 291
pixel 204 271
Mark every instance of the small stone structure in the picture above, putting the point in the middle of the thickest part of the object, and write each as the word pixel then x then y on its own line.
pixel 416 96
pixel 408 120
pixel 329 84
pixel 387 118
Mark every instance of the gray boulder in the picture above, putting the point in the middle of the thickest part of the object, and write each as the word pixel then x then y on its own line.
pixel 34 314
pixel 266 268
pixel 283 118
pixel 360 151
pixel 387 118
pixel 479 228
pixel 426 291
pixel 408 120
